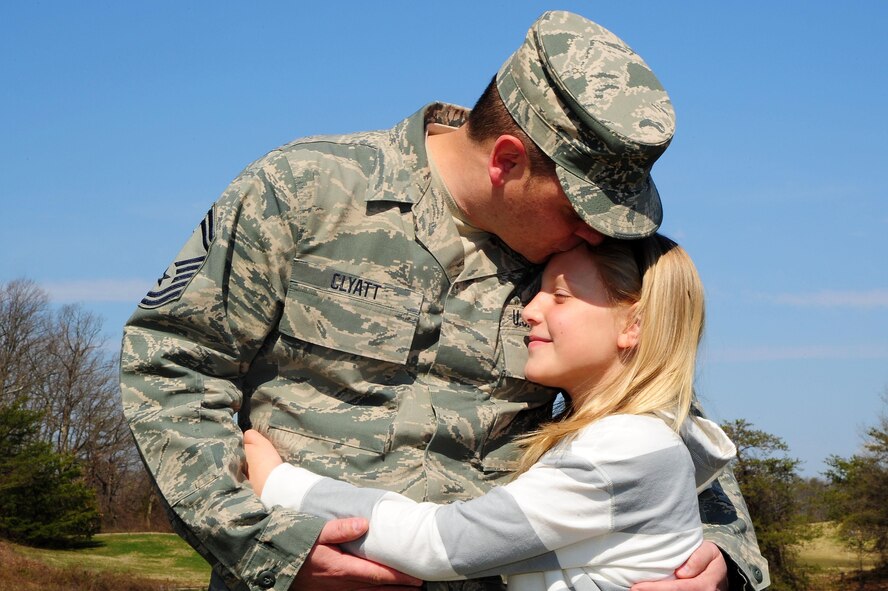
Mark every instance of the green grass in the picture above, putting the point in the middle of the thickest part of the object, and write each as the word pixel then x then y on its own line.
pixel 167 558
pixel 151 555
pixel 826 552
pixel 833 566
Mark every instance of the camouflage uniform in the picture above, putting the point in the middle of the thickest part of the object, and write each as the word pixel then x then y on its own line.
pixel 327 299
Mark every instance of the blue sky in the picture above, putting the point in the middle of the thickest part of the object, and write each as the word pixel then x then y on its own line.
pixel 121 122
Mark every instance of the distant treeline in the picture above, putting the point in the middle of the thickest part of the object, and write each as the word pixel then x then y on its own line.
pixel 68 465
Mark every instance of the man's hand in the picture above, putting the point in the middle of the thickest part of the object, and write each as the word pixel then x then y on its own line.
pixel 704 570
pixel 328 568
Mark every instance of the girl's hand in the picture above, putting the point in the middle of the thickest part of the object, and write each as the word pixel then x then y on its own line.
pixel 262 458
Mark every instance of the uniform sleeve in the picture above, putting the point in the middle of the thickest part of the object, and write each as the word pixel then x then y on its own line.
pixel 565 511
pixel 726 523
pixel 186 355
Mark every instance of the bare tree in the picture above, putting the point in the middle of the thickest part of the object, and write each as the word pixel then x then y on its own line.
pixel 79 394
pixel 57 362
pixel 24 308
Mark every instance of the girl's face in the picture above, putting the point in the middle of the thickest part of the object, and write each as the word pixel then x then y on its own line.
pixel 576 333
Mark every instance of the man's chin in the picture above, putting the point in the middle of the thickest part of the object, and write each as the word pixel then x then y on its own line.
pixel 535 257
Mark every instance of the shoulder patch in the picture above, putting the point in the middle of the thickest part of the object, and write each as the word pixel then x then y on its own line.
pixel 190 259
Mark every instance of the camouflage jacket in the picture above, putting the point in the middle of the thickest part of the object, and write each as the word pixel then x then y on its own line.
pixel 326 299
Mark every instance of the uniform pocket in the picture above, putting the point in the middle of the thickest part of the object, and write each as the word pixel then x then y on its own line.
pixel 350 312
pixel 347 445
pixel 503 458
pixel 513 340
pixel 519 406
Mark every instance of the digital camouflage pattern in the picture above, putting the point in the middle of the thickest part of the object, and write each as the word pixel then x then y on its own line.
pixel 726 523
pixel 596 108
pixel 336 303
pixel 333 307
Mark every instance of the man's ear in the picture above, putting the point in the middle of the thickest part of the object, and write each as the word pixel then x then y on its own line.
pixel 628 338
pixel 508 160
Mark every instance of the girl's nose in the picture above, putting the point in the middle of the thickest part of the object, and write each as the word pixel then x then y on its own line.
pixel 531 312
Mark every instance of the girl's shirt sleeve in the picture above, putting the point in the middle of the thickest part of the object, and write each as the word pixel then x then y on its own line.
pixel 620 499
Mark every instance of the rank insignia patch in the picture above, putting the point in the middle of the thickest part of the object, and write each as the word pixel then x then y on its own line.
pixel 176 278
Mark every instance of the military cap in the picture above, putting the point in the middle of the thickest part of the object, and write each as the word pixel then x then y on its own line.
pixel 596 108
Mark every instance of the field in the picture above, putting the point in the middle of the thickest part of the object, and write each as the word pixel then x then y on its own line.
pixel 832 563
pixel 156 562
pixel 137 562
pixel 826 553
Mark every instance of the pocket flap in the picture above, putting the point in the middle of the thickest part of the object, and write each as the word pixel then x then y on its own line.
pixel 350 313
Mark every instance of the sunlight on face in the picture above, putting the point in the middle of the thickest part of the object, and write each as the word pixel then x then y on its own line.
pixel 575 330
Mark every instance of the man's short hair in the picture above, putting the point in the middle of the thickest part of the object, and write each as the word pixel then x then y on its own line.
pixel 490 119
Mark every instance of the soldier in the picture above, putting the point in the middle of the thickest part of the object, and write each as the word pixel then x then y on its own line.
pixel 357 299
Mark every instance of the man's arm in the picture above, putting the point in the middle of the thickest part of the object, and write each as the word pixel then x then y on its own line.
pixel 186 351
pixel 726 523
pixel 730 558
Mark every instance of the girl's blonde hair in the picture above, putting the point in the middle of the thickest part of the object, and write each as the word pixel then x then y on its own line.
pixel 659 278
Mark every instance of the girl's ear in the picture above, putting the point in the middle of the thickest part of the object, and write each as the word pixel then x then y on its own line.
pixel 628 337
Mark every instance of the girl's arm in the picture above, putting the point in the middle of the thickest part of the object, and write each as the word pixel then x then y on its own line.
pixel 430 541
pixel 613 496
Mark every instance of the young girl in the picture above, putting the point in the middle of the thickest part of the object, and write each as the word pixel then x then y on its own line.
pixel 606 496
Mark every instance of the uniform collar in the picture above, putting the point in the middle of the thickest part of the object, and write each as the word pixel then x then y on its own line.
pixel 403 173
pixel 404 176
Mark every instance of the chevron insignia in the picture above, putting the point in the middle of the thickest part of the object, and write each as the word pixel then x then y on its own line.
pixel 176 278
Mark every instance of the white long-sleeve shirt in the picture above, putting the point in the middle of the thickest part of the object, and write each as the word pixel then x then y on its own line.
pixel 614 506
